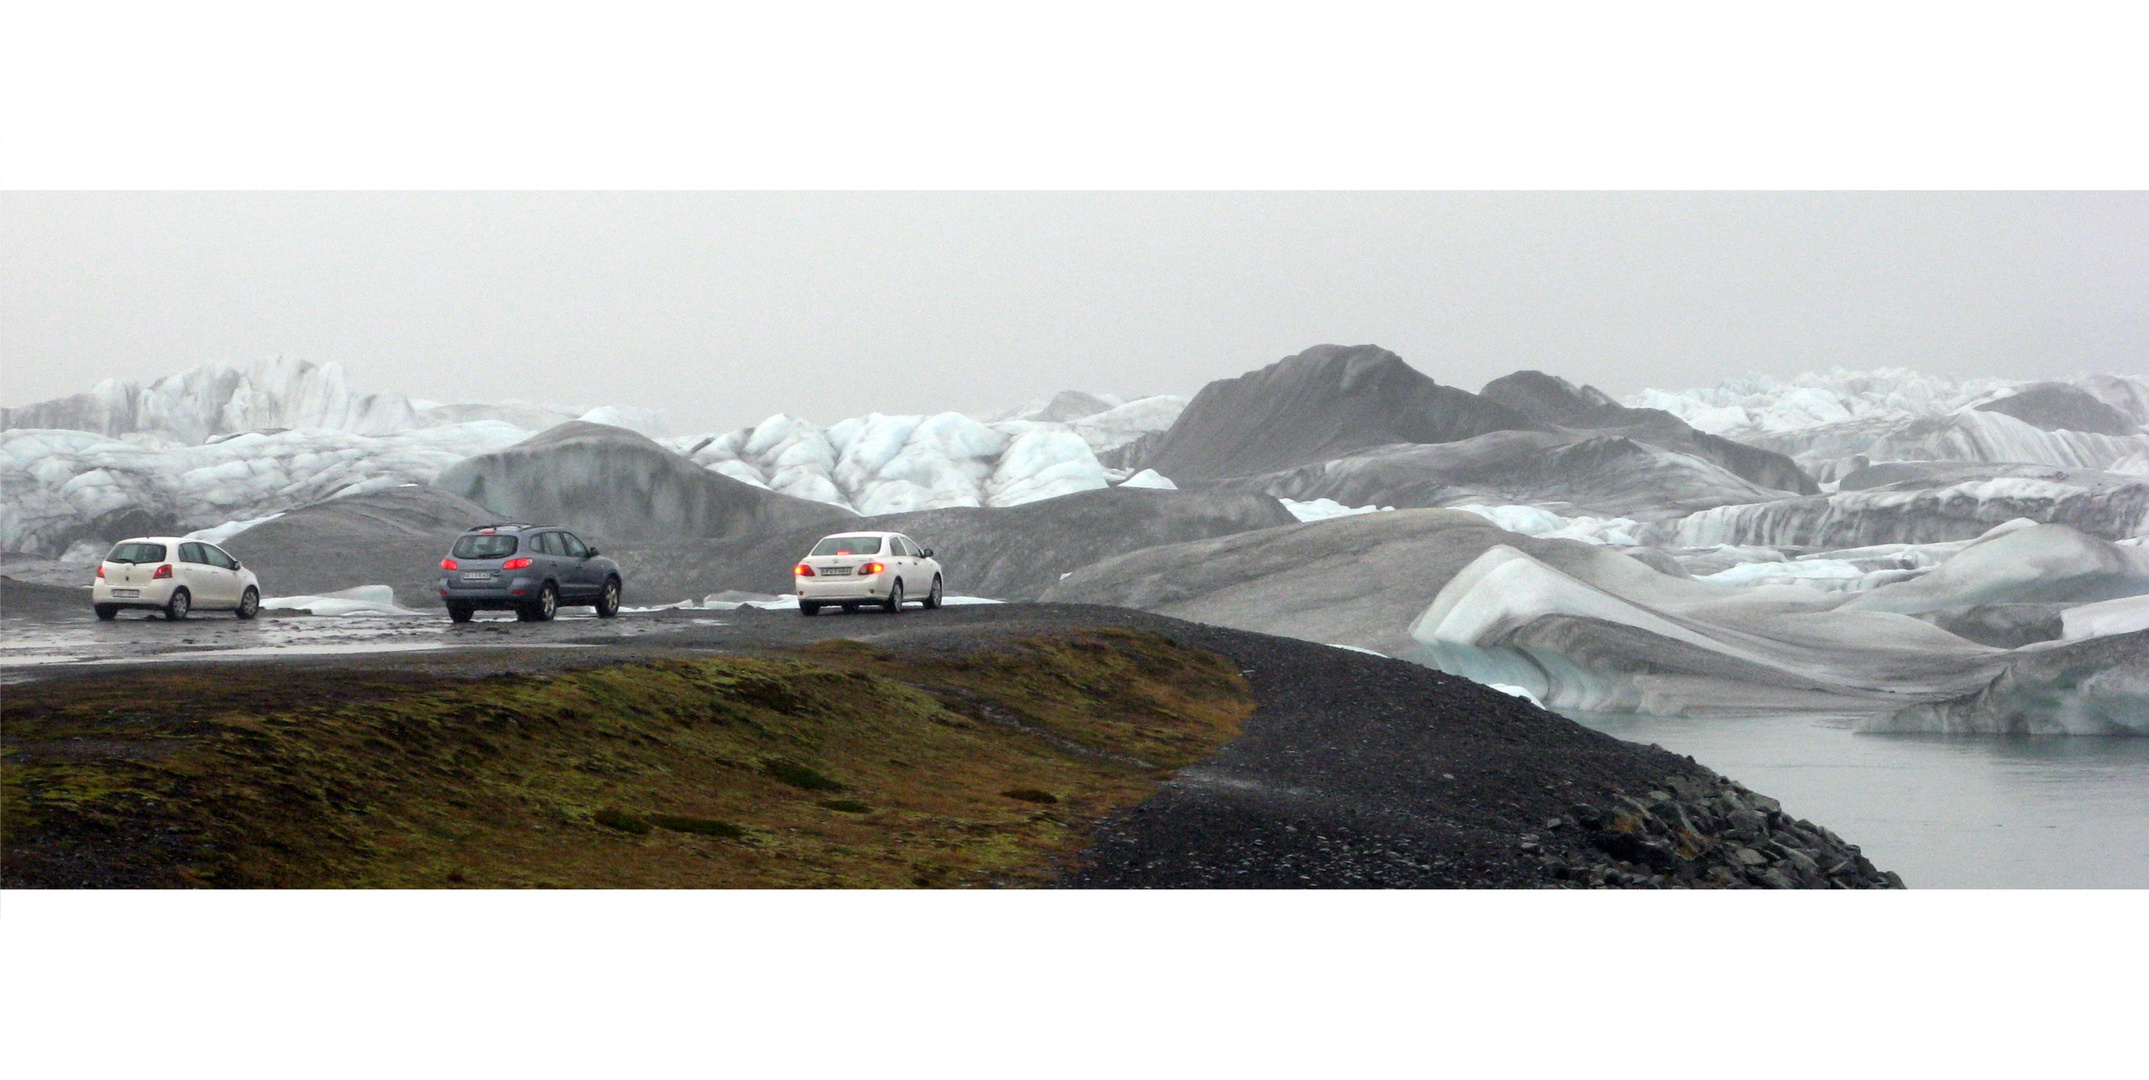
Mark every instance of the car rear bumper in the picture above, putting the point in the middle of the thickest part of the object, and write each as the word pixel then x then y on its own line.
pixel 504 594
pixel 152 594
pixel 872 588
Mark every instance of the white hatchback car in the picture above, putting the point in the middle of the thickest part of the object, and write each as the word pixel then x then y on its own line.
pixel 853 569
pixel 174 576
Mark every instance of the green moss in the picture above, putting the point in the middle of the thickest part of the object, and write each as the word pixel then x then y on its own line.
pixel 325 776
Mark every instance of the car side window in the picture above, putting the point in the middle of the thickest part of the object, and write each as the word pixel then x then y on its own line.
pixel 217 556
pixel 547 543
pixel 573 545
pixel 896 545
pixel 192 553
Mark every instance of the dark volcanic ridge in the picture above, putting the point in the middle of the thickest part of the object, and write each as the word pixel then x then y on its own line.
pixel 1358 425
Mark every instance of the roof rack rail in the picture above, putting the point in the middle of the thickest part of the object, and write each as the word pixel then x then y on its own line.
pixel 503 525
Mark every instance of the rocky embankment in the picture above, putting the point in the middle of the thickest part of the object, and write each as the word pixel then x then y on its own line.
pixel 1698 832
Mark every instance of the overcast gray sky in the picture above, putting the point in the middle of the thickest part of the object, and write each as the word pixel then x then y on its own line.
pixel 724 308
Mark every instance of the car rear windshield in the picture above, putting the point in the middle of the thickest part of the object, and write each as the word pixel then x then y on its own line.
pixel 136 553
pixel 848 545
pixel 482 546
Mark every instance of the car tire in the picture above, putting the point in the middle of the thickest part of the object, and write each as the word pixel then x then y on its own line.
pixel 177 607
pixel 544 607
pixel 894 602
pixel 932 599
pixel 608 600
pixel 249 603
pixel 807 609
pixel 458 612
pixel 850 609
pixel 107 612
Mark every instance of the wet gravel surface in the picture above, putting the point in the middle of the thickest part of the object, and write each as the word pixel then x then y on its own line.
pixel 1355 770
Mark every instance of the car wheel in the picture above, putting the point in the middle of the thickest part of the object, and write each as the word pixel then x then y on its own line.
pixel 608 600
pixel 175 609
pixel 806 610
pixel 459 612
pixel 249 603
pixel 932 599
pixel 895 598
pixel 547 604
pixel 107 612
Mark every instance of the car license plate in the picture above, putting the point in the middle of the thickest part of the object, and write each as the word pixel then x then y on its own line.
pixel 127 592
pixel 837 571
pixel 485 576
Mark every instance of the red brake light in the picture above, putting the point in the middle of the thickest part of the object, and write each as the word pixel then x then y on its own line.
pixel 164 571
pixel 802 570
pixel 100 569
pixel 515 564
pixel 870 569
pixel 448 564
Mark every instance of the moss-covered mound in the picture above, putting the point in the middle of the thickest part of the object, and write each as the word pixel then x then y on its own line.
pixel 834 765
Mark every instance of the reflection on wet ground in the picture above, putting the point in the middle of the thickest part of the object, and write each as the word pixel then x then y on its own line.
pixel 29 645
pixel 1943 811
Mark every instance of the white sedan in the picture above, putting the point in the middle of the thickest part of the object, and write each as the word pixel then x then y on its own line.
pixel 174 576
pixel 853 569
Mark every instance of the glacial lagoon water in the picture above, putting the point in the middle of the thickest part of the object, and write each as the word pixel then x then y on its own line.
pixel 1948 812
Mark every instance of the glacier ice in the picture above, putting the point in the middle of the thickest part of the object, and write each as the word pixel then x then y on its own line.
pixel 1762 404
pixel 2038 564
pixel 360 600
pixel 2125 615
pixel 61 487
pixel 1930 509
pixel 1608 634
pixel 1540 522
pixel 1149 478
pixel 2092 686
pixel 1322 509
pixel 192 406
pixel 1832 422
pixel 882 464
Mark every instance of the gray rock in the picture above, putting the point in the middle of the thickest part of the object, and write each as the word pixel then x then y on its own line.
pixel 394 537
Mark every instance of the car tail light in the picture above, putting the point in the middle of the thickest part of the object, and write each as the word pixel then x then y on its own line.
pixel 100 569
pixel 516 564
pixel 871 568
pixel 164 571
pixel 449 564
pixel 802 570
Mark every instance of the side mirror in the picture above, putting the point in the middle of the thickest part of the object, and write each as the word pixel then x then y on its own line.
pixel 593 553
pixel 237 566
pixel 925 553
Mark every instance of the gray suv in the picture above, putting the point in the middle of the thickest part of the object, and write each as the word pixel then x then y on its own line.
pixel 529 569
